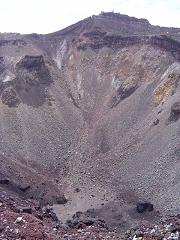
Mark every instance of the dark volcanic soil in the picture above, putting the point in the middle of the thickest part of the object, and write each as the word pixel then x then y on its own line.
pixel 26 220
pixel 91 113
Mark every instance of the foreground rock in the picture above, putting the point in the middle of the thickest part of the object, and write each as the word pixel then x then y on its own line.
pixel 42 224
pixel 31 222
pixel 167 228
pixel 81 220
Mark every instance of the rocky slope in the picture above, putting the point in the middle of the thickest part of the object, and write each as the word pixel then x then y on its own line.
pixel 92 112
pixel 27 220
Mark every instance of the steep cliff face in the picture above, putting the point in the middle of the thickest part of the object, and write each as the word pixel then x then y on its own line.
pixel 26 82
pixel 97 40
pixel 91 107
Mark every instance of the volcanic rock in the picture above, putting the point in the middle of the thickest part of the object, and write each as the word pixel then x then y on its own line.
pixel 9 97
pixel 144 206
pixel 4 181
pixel 78 105
pixel 175 112
pixel 61 200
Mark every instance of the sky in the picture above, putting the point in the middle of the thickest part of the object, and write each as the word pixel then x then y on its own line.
pixel 45 16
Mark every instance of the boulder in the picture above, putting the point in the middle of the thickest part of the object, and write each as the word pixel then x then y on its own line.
pixel 175 112
pixel 61 200
pixel 48 212
pixel 9 97
pixel 24 210
pixel 23 187
pixel 156 122
pixel 19 220
pixel 144 207
pixel 77 190
pixel 80 220
pixel 4 181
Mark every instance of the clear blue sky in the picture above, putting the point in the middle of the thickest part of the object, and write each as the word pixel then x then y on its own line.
pixel 44 16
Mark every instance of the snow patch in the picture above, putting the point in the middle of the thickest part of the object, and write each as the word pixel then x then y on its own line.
pixel 7 79
pixel 60 54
